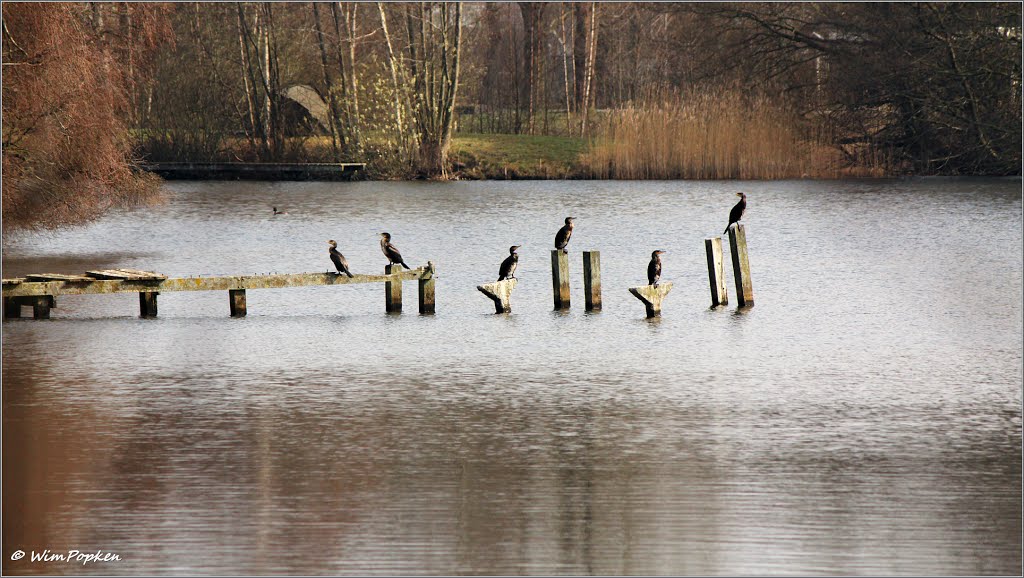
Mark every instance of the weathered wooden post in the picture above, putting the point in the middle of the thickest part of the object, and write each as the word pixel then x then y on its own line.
pixel 592 280
pixel 236 298
pixel 716 271
pixel 393 290
pixel 12 307
pixel 560 278
pixel 652 296
pixel 427 290
pixel 741 265
pixel 500 292
pixel 147 304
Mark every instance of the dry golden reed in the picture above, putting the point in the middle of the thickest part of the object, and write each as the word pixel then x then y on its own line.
pixel 710 135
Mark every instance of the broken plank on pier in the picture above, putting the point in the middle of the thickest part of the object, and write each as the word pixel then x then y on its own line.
pixel 57 277
pixel 126 274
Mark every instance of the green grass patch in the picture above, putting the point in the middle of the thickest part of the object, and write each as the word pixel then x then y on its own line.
pixel 517 156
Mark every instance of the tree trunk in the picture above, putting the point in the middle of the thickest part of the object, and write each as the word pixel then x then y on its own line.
pixel 401 101
pixel 331 101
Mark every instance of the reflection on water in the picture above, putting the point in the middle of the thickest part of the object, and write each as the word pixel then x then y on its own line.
pixel 863 418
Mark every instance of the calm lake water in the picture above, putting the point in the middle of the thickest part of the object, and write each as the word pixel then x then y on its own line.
pixel 863 418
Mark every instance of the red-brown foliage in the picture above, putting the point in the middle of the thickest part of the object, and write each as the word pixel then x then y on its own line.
pixel 66 147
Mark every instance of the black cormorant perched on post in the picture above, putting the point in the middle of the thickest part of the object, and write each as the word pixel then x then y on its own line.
pixel 508 266
pixel 562 238
pixel 737 211
pixel 276 212
pixel 339 260
pixel 390 251
pixel 654 268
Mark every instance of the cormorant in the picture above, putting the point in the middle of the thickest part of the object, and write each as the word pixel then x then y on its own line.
pixel 390 251
pixel 654 268
pixel 737 211
pixel 339 260
pixel 562 238
pixel 276 212
pixel 508 266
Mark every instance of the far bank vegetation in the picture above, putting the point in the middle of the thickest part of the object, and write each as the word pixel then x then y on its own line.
pixel 503 90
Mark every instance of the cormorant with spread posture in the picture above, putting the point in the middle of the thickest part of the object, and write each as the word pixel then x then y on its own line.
pixel 390 251
pixel 562 238
pixel 339 260
pixel 654 268
pixel 276 212
pixel 737 211
pixel 508 266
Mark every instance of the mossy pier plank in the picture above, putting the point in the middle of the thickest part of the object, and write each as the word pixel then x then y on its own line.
pixel 40 294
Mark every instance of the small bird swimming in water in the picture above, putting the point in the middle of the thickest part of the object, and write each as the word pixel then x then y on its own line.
pixel 339 260
pixel 737 211
pixel 562 238
pixel 276 212
pixel 508 266
pixel 390 251
pixel 654 268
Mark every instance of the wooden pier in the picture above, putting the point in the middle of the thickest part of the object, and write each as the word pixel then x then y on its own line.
pixel 40 290
pixel 256 171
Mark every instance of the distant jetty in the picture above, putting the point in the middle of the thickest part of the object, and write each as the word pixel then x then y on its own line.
pixel 255 171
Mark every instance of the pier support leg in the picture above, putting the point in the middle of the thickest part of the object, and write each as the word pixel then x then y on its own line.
pixel 12 308
pixel 236 298
pixel 500 292
pixel 147 304
pixel 592 280
pixel 393 291
pixel 427 291
pixel 42 305
pixel 741 265
pixel 652 296
pixel 716 271
pixel 560 278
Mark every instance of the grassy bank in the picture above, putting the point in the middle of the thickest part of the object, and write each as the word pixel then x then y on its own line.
pixel 509 156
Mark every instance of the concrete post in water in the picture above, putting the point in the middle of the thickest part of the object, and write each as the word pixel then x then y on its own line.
pixel 500 292
pixel 651 296
pixel 716 271
pixel 427 290
pixel 147 304
pixel 741 265
pixel 393 290
pixel 236 298
pixel 592 280
pixel 560 278
pixel 12 307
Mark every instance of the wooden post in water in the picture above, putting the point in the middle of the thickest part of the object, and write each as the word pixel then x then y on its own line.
pixel 560 278
pixel 716 271
pixel 393 290
pixel 500 293
pixel 652 296
pixel 12 307
pixel 592 280
pixel 426 284
pixel 236 298
pixel 41 306
pixel 147 304
pixel 741 265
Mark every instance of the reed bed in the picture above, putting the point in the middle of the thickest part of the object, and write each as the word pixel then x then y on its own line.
pixel 711 135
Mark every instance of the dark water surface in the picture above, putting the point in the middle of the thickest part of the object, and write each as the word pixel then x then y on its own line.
pixel 863 418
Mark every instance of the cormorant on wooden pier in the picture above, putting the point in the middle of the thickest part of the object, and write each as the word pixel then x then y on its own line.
pixel 390 251
pixel 654 268
pixel 339 260
pixel 737 211
pixel 508 266
pixel 562 238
